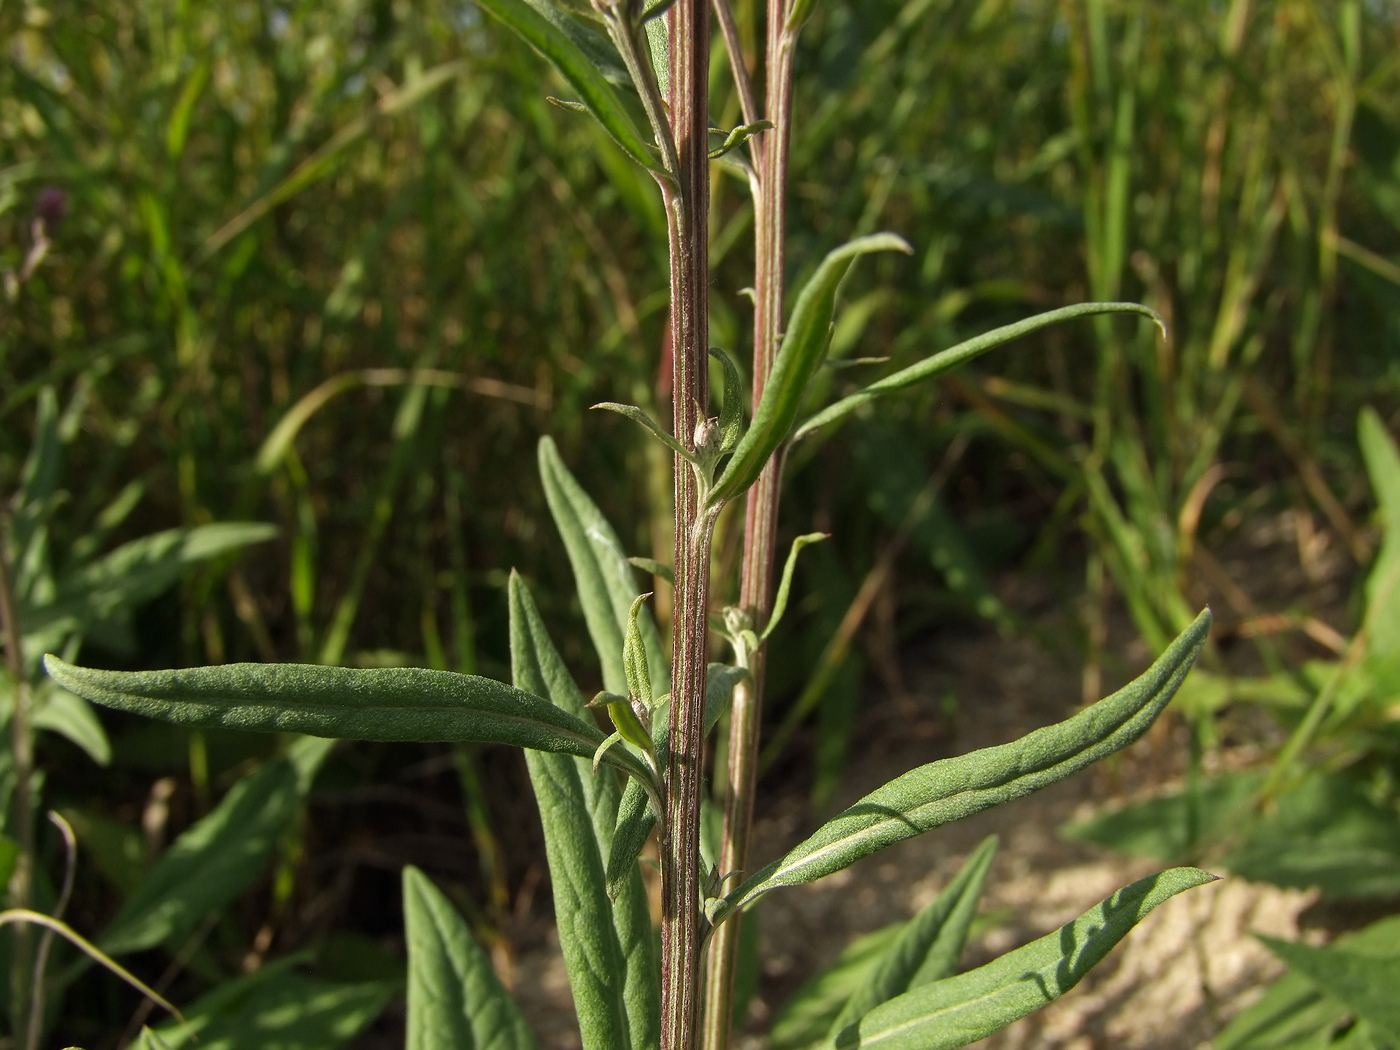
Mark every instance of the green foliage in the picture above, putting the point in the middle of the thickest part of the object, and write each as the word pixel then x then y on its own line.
pixel 455 1000
pixel 953 788
pixel 960 1010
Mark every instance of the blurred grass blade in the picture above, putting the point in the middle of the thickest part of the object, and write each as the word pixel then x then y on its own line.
pixel 1367 985
pixel 279 442
pixel 930 944
pixel 455 1000
pixel 804 345
pixel 320 164
pixel 949 359
pixel 954 788
pixel 277 1006
pixel 963 1009
pixel 578 69
pixel 209 864
pixel 400 703
pixel 606 581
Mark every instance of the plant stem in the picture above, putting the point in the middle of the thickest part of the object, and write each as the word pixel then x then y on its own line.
pixel 687 207
pixel 22 882
pixel 761 512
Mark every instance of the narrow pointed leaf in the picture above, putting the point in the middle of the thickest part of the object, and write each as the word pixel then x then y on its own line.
pixel 62 712
pixel 209 864
pixel 803 348
pixel 636 415
pixel 720 680
pixel 537 667
pixel 1366 984
pixel 634 656
pixel 785 587
pixel 592 951
pixel 583 76
pixel 947 360
pixel 805 1019
pixel 606 581
pixel 731 413
pixel 624 719
pixel 954 788
pixel 634 823
pixel 455 1000
pixel 594 45
pixel 655 568
pixel 400 703
pixel 960 1010
pixel 930 944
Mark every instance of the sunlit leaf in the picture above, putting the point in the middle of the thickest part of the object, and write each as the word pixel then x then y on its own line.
pixel 399 703
pixel 455 999
pixel 960 1010
pixel 954 788
pixel 803 348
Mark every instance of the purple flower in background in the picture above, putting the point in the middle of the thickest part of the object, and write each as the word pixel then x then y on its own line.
pixel 51 207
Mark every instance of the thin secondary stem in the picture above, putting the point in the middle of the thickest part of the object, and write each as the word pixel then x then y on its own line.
pixel 761 514
pixel 743 83
pixel 682 929
pixel 22 882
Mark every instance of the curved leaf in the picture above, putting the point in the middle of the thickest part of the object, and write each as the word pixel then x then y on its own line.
pixel 455 1000
pixel 400 703
pixel 605 579
pixel 963 1009
pixel 930 944
pixel 71 716
pixel 949 359
pixel 583 76
pixel 208 865
pixel 954 788
pixel 804 345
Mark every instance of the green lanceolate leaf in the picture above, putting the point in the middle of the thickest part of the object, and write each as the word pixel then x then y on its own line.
pixel 634 656
pixel 929 946
pixel 785 587
pixel 720 680
pixel 731 412
pixel 947 360
pixel 594 45
pixel 635 820
pixel 629 727
pixel 400 703
pixel 636 415
pixel 455 1000
pixel 954 788
pixel 963 1009
pixel 605 579
pixel 208 865
pixel 537 667
pixel 60 711
pixel 1365 984
pixel 803 348
pixel 576 67
pixel 592 951
pixel 805 1019
pixel 276 1006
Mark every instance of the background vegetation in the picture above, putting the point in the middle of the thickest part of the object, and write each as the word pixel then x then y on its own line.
pixel 367 213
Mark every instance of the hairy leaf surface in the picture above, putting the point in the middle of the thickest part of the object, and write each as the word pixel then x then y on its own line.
pixel 803 348
pixel 455 1000
pixel 613 967
pixel 930 944
pixel 954 788
pixel 606 581
pixel 963 1009
pixel 400 703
